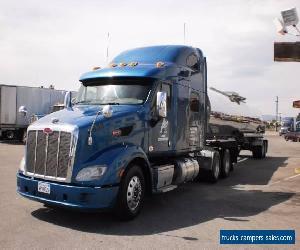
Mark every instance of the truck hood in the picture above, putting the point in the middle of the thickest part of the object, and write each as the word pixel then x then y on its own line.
pixel 78 120
pixel 83 115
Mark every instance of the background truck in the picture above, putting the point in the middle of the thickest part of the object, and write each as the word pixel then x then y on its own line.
pixel 142 125
pixel 287 125
pixel 36 101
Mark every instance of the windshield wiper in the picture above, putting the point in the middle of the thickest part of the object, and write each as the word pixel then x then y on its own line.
pixel 82 102
pixel 110 103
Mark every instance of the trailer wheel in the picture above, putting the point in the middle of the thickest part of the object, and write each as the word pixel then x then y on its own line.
pixel 10 135
pixel 214 173
pixel 226 165
pixel 131 194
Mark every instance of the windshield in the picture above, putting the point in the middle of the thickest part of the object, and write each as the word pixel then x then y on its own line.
pixel 285 124
pixel 120 93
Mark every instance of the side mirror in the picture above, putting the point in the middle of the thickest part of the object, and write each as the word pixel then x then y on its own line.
pixel 161 104
pixel 23 110
pixel 73 101
pixel 68 99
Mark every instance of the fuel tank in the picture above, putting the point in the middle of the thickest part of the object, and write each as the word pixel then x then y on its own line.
pixel 227 118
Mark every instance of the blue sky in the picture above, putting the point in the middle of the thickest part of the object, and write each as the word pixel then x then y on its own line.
pixel 54 42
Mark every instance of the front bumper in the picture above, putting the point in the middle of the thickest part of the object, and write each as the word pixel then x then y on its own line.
pixel 64 195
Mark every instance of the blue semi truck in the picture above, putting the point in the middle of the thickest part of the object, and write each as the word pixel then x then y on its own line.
pixel 139 126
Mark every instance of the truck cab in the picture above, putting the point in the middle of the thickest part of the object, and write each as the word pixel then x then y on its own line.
pixel 137 126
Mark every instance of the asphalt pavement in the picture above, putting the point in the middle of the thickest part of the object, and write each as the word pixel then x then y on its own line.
pixel 259 194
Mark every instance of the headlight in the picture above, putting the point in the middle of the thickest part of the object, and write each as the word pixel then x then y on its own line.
pixel 91 173
pixel 22 165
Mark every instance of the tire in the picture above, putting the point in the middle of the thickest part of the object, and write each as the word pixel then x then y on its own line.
pixel 258 152
pixel 226 164
pixel 131 194
pixel 10 134
pixel 265 149
pixel 214 173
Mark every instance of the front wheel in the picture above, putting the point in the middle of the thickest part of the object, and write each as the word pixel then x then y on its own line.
pixel 131 194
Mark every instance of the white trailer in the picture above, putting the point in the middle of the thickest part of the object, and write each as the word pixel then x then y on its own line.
pixel 37 101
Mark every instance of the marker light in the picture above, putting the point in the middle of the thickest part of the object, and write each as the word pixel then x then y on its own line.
pixel 133 64
pixel 112 65
pixel 122 64
pixel 160 64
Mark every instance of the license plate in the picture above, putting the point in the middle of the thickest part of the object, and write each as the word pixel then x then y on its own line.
pixel 43 187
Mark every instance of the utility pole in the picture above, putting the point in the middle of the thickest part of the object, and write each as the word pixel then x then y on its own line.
pixel 280 118
pixel 107 47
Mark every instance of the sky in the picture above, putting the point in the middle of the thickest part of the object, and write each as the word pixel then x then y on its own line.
pixel 54 42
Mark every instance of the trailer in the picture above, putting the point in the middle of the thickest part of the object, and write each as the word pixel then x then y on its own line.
pixel 141 125
pixel 36 101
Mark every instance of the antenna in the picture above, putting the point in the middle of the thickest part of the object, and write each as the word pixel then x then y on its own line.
pixel 184 33
pixel 107 47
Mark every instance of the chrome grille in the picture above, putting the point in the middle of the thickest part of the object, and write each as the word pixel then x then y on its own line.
pixel 48 155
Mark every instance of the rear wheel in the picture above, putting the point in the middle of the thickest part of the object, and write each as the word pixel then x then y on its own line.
pixel 226 164
pixel 10 135
pixel 214 173
pixel 131 194
pixel 258 152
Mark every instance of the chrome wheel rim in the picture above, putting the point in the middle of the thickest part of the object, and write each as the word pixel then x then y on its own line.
pixel 134 193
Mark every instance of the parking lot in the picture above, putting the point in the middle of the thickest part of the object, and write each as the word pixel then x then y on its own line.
pixel 259 194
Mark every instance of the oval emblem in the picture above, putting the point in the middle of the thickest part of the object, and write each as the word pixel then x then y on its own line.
pixel 48 131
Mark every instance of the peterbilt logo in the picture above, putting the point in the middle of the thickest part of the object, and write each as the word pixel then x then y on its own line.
pixel 48 131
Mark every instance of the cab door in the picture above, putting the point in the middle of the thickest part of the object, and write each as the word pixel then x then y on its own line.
pixel 160 133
